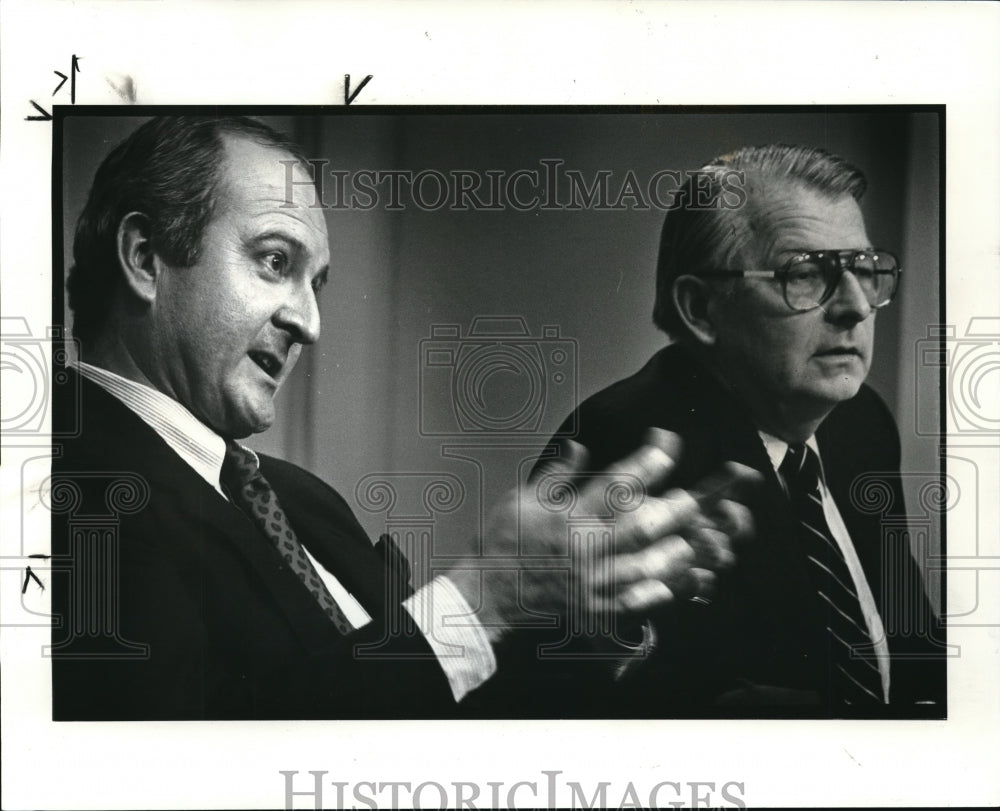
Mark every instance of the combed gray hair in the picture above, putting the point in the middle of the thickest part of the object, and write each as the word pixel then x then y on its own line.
pixel 706 225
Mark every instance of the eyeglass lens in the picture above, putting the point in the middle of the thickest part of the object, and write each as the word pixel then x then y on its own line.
pixel 813 278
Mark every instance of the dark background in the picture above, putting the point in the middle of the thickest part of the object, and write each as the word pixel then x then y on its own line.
pixel 353 413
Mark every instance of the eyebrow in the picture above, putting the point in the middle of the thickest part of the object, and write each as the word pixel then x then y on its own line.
pixel 276 236
pixel 814 250
pixel 258 241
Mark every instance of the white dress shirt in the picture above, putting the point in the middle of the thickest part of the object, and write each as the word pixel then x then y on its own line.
pixel 463 650
pixel 776 449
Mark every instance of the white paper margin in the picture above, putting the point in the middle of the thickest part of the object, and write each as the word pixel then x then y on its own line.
pixel 492 53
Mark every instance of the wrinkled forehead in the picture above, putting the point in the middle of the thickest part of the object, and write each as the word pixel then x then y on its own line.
pixel 788 215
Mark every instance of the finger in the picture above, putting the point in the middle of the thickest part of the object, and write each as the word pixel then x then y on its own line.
pixel 654 467
pixel 700 584
pixel 694 584
pixel 571 460
pixel 732 481
pixel 643 596
pixel 665 560
pixel 667 441
pixel 651 464
pixel 712 548
pixel 732 518
pixel 656 518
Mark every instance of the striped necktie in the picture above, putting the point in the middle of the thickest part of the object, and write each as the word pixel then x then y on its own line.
pixel 253 494
pixel 854 673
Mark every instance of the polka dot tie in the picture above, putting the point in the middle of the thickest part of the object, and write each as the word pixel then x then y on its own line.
pixel 251 492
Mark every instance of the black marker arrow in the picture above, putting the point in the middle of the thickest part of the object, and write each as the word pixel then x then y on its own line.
pixel 45 116
pixel 72 85
pixel 28 577
pixel 64 78
pixel 348 96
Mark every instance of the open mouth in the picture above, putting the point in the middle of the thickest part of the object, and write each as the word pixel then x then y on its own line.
pixel 266 361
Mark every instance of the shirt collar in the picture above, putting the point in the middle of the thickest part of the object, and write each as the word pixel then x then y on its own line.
pixel 197 444
pixel 777 448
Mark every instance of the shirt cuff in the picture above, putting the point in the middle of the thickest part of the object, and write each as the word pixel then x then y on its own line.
pixel 454 634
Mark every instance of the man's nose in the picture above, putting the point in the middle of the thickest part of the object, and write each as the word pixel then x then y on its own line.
pixel 848 302
pixel 299 314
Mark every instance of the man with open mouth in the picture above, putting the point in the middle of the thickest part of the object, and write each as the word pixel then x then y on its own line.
pixel 238 586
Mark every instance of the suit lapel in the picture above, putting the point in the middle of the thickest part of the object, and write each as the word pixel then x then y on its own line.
pixel 771 570
pixel 721 431
pixel 327 528
pixel 355 565
pixel 864 528
pixel 225 523
pixel 119 440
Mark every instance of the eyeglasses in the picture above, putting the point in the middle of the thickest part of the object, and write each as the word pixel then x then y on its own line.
pixel 809 279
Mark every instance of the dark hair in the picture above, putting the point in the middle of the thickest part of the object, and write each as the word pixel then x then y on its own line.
pixel 710 216
pixel 168 169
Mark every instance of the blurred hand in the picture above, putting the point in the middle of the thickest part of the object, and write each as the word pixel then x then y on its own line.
pixel 645 546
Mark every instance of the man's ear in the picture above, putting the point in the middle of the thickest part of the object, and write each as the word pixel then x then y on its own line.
pixel 135 256
pixel 692 296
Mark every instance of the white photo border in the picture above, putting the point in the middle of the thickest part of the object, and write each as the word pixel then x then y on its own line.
pixel 510 54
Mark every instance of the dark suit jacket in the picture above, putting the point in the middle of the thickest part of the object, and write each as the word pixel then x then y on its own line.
pixel 172 605
pixel 759 648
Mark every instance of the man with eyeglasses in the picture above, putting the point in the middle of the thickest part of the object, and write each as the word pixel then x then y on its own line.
pixel 238 586
pixel 772 305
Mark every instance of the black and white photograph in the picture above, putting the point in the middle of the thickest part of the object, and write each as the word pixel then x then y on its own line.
pixel 567 429
pixel 595 493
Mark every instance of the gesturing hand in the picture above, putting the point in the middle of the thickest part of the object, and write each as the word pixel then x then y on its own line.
pixel 625 542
